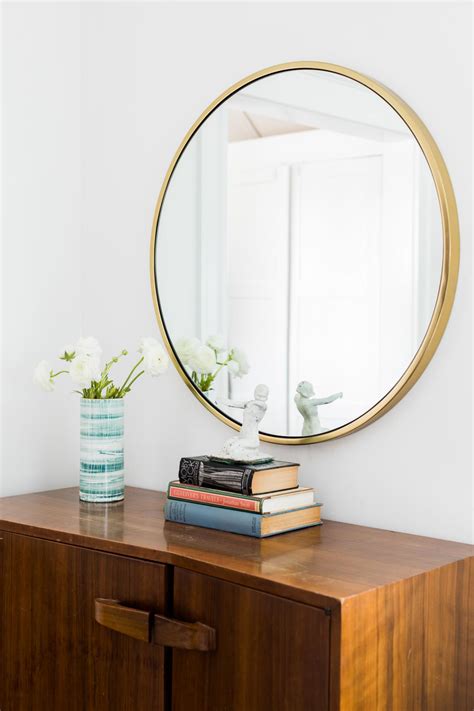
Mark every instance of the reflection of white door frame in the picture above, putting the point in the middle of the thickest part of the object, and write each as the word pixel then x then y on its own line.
pixel 212 201
pixel 297 97
pixel 293 257
pixel 323 235
pixel 312 119
pixel 258 233
pixel 311 147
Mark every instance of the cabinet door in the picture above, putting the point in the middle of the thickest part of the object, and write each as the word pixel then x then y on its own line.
pixel 54 655
pixel 271 654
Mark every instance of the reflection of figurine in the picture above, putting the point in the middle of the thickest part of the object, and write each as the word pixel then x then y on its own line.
pixel 245 446
pixel 307 406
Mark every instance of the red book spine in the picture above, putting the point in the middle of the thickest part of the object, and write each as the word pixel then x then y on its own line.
pixel 205 497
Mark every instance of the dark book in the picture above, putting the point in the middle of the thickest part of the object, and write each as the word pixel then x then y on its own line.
pixel 246 479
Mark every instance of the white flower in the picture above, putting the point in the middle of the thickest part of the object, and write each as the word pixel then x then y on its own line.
pixel 203 360
pixel 88 347
pixel 146 342
pixel 83 370
pixel 42 376
pixel 186 347
pixel 155 359
pixel 217 343
pixel 234 367
pixel 242 362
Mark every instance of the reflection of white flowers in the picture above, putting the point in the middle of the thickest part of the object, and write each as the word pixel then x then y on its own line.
pixel 217 343
pixel 233 367
pixel 203 360
pixel 155 358
pixel 185 348
pixel 42 376
pixel 83 370
pixel 241 359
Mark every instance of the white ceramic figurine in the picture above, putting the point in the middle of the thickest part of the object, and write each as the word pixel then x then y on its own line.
pixel 245 447
pixel 308 405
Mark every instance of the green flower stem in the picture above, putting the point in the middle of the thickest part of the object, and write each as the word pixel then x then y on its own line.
pixel 54 375
pixel 135 378
pixel 205 380
pixel 94 392
pixel 221 365
pixel 121 390
pixel 108 365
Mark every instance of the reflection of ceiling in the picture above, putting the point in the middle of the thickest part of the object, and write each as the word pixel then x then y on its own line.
pixel 244 126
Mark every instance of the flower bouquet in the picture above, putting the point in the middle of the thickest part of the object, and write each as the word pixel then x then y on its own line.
pixel 102 409
pixel 206 360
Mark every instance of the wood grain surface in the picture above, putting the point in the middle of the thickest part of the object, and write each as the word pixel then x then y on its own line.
pixel 54 655
pixel 272 654
pixel 340 616
pixel 320 566
pixel 405 646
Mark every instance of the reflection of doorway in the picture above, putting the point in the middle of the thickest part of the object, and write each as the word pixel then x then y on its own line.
pixel 258 283
pixel 298 206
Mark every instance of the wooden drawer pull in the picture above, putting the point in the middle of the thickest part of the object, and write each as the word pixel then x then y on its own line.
pixel 157 629
pixel 127 620
pixel 183 635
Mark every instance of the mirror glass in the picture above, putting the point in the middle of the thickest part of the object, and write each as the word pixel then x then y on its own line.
pixel 299 245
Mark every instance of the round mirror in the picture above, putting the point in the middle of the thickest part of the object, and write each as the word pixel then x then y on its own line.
pixel 305 238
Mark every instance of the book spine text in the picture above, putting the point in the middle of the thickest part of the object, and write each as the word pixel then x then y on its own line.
pixel 206 497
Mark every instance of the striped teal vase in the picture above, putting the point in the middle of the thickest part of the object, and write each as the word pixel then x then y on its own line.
pixel 102 471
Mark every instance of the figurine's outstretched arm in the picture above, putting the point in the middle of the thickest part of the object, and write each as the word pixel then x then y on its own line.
pixel 326 400
pixel 232 403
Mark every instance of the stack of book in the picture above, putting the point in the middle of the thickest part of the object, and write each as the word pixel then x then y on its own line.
pixel 253 499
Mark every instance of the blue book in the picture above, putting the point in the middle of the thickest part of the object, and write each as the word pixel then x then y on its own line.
pixel 249 524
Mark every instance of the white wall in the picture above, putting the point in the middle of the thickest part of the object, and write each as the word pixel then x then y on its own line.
pixel 40 238
pixel 146 72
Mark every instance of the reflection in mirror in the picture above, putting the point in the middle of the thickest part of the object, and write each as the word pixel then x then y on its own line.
pixel 299 244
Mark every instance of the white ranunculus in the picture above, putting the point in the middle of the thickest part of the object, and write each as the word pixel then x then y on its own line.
pixel 234 367
pixel 203 360
pixel 146 343
pixel 186 347
pixel 155 360
pixel 217 343
pixel 42 376
pixel 241 359
pixel 83 370
pixel 88 347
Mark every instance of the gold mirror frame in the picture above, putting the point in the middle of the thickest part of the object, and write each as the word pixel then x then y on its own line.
pixel 450 265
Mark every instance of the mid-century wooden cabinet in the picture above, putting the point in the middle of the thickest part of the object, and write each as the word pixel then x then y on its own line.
pixel 110 608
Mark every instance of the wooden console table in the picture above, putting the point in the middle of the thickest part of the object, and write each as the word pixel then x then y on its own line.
pixel 110 608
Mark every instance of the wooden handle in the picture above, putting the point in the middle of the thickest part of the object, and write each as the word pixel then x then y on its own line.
pixel 127 620
pixel 183 635
pixel 157 629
